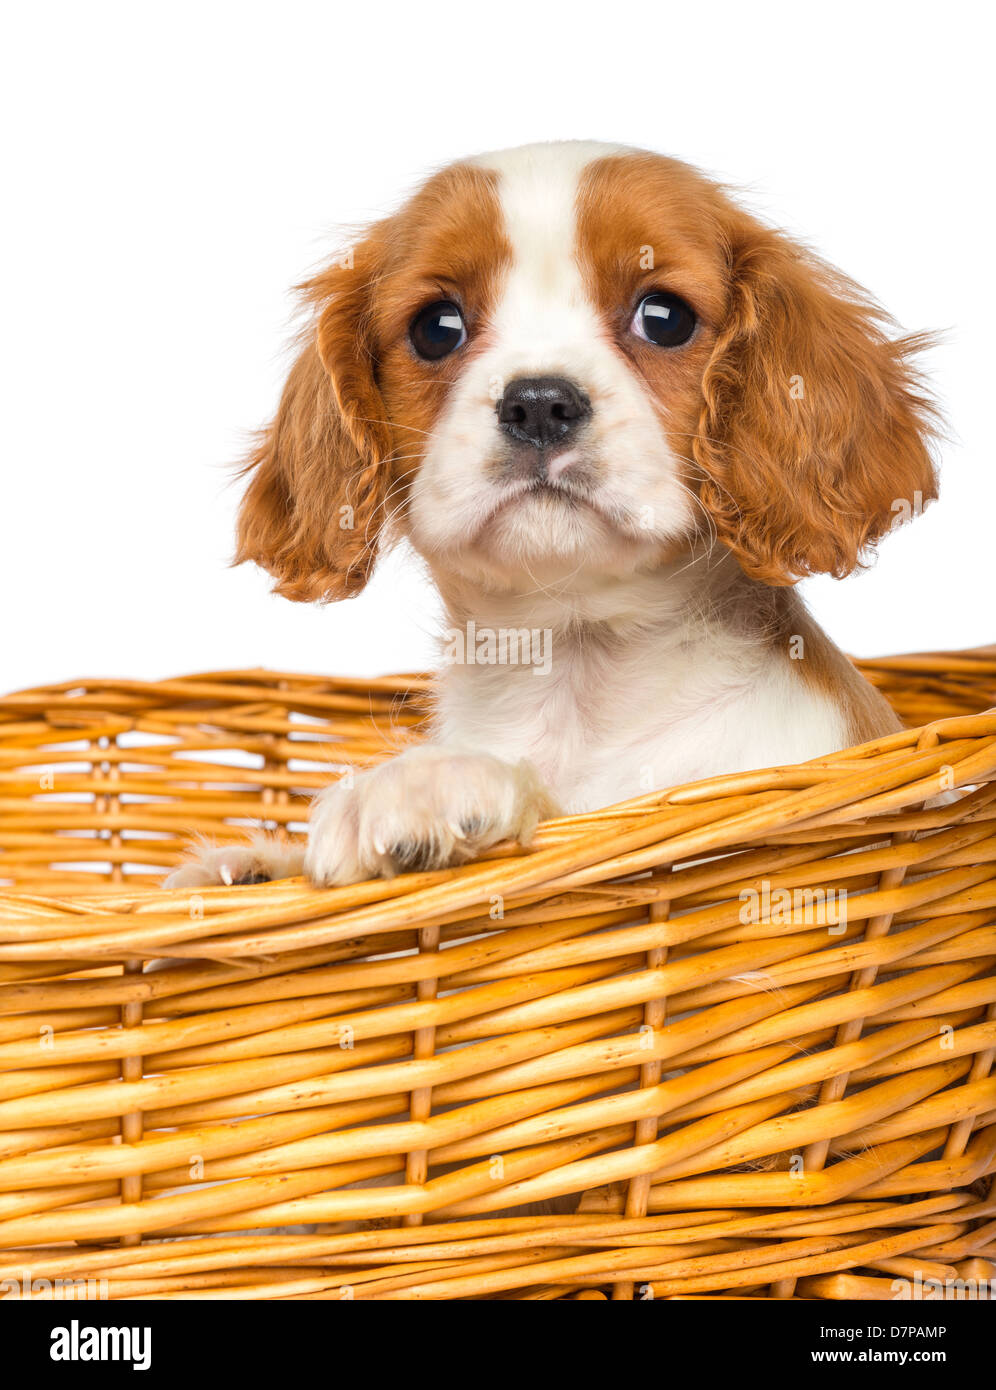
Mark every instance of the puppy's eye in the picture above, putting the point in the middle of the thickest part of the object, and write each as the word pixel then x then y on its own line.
pixel 664 319
pixel 437 330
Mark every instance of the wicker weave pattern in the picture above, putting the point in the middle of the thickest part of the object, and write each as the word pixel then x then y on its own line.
pixel 753 1098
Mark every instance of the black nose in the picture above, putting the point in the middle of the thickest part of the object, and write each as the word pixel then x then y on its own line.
pixel 542 410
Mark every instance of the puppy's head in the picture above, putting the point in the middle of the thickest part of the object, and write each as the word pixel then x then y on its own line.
pixel 572 358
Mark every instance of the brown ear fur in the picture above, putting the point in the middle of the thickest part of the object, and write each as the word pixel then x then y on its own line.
pixel 314 506
pixel 813 438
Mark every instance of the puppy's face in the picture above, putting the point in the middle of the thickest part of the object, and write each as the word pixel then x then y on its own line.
pixel 570 360
pixel 561 364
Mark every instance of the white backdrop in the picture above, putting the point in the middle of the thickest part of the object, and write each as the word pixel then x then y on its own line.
pixel 172 169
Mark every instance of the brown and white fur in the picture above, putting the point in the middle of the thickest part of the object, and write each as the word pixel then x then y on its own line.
pixel 658 543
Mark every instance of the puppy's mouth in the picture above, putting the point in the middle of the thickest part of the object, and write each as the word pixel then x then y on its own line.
pixel 546 506
pixel 570 497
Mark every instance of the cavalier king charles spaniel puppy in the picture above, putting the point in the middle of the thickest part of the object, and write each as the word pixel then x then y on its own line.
pixel 612 410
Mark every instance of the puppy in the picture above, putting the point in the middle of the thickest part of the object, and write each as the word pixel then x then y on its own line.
pixel 618 418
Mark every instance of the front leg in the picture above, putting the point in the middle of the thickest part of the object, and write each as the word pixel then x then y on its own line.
pixel 429 808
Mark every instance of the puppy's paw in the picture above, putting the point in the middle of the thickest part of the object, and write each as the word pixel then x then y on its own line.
pixel 427 809
pixel 258 861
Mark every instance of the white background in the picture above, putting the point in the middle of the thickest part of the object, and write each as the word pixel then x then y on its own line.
pixel 171 170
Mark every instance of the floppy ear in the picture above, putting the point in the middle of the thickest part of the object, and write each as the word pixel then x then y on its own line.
pixel 313 509
pixel 813 437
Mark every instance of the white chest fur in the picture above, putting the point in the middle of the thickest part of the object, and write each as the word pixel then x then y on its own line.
pixel 636 700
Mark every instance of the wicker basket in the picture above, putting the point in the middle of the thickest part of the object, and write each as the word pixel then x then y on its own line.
pixel 751 1020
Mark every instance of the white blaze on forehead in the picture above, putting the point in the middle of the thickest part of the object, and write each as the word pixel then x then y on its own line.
pixel 543 315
